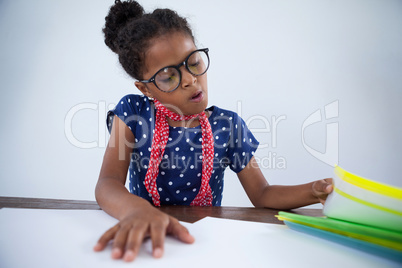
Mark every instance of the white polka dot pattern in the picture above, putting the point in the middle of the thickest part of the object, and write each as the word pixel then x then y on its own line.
pixel 159 141
pixel 232 149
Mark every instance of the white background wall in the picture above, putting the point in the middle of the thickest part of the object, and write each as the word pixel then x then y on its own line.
pixel 269 58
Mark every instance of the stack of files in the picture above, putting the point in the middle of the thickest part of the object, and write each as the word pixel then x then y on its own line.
pixel 360 213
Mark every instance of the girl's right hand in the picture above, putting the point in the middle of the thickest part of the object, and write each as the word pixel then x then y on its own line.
pixel 130 232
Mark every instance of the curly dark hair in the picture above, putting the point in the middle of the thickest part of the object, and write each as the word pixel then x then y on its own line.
pixel 129 31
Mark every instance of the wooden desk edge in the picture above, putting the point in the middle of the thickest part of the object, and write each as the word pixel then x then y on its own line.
pixel 182 213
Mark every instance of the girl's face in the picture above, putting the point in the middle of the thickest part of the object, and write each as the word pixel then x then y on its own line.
pixel 191 97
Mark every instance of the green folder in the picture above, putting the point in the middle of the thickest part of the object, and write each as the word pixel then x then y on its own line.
pixel 388 253
pixel 383 237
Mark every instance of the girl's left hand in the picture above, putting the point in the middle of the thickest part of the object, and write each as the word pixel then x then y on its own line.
pixel 322 188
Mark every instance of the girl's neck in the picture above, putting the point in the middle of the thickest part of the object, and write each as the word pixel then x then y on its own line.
pixel 188 124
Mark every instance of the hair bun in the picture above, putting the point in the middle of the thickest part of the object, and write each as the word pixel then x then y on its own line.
pixel 119 15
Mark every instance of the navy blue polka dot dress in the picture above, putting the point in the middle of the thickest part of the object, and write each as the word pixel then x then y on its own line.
pixel 179 177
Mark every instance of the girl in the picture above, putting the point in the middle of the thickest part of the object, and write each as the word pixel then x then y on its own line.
pixel 174 147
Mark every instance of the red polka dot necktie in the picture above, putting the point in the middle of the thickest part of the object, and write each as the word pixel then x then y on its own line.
pixel 159 141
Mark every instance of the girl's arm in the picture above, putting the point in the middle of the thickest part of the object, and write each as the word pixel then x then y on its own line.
pixel 138 218
pixel 261 194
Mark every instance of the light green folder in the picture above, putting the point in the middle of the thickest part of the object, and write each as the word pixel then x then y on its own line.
pixel 383 237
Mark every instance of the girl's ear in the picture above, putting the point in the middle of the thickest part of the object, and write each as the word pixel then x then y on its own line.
pixel 143 88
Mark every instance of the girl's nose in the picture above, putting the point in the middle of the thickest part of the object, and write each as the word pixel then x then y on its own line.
pixel 187 79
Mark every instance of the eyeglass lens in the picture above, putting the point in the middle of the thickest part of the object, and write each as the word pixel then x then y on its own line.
pixel 169 78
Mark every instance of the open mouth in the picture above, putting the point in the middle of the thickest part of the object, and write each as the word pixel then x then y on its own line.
pixel 197 97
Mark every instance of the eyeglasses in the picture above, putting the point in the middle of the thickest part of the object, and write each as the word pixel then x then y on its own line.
pixel 168 78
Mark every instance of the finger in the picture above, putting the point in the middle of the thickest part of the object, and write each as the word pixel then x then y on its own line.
pixel 105 238
pixel 329 180
pixel 329 189
pixel 119 243
pixel 158 234
pixel 321 186
pixel 134 241
pixel 181 232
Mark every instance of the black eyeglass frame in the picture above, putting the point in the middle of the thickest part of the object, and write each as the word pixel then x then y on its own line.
pixel 177 67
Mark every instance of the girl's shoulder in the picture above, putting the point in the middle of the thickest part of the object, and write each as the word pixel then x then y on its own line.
pixel 219 114
pixel 133 105
pixel 135 102
pixel 132 109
